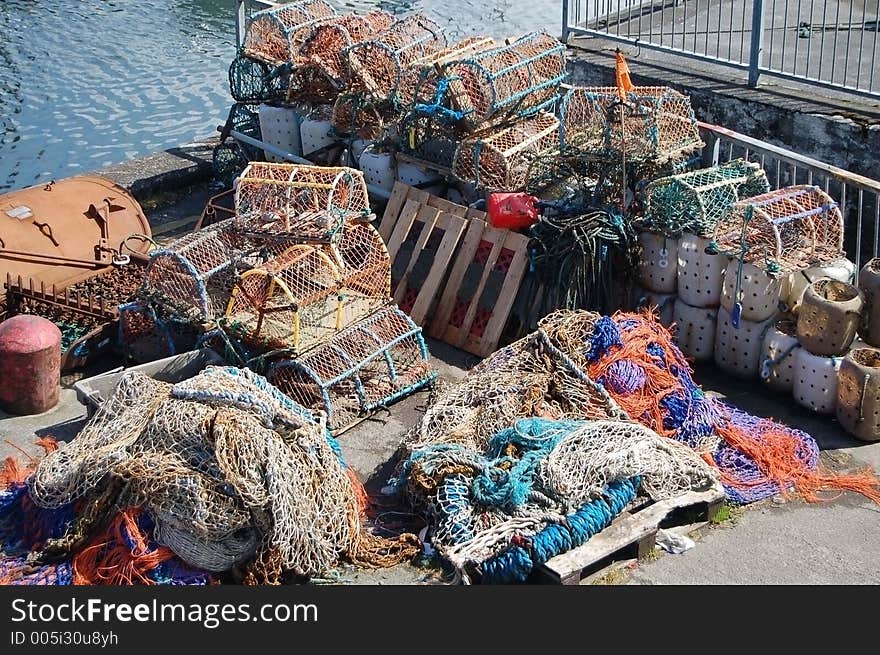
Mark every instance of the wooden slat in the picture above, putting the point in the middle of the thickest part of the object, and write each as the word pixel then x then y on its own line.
pixel 496 236
pixel 486 344
pixel 449 207
pixel 476 213
pixel 465 256
pixel 392 209
pixel 453 226
pixel 402 227
pixel 425 221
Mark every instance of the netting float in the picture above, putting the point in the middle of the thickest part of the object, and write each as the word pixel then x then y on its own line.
pixel 369 365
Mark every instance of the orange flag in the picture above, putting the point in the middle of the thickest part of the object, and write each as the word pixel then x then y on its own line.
pixel 621 71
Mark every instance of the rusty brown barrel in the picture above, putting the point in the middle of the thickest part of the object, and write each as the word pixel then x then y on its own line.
pixel 829 317
pixel 858 394
pixel 30 354
pixel 869 283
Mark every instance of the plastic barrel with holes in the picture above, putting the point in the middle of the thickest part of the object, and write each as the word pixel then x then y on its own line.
pixel 777 356
pixel 869 283
pixel 279 127
pixel 700 274
pixel 358 146
pixel 378 168
pixel 858 394
pixel 829 317
pixel 315 134
pixel 841 269
pixel 738 349
pixel 755 291
pixel 663 304
pixel 416 176
pixel 659 262
pixel 815 381
pixel 695 330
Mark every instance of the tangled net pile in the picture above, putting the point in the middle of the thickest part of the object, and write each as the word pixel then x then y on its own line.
pixel 218 473
pixel 542 444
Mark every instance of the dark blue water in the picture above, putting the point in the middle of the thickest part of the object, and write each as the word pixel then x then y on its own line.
pixel 89 83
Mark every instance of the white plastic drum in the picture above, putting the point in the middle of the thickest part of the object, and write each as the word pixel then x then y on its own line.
pixel 378 168
pixel 664 303
pixel 842 270
pixel 279 127
pixel 759 292
pixel 738 350
pixel 695 330
pixel 659 262
pixel 413 175
pixel 700 275
pixel 815 381
pixel 316 134
pixel 358 146
pixel 777 356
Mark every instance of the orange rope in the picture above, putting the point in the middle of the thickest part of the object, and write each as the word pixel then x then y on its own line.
pixel 360 493
pixel 13 473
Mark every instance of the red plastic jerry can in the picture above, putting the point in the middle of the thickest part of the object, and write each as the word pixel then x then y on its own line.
pixel 512 210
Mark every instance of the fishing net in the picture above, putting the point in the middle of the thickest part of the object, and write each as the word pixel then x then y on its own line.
pixel 275 35
pixel 499 160
pixel 655 123
pixel 223 464
pixel 369 365
pixel 519 79
pixel 695 201
pixel 783 230
pixel 376 67
pixel 292 199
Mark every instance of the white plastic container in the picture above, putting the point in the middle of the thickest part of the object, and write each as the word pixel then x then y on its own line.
pixel 695 330
pixel 659 262
pixel 700 275
pixel 842 270
pixel 738 350
pixel 664 302
pixel 378 168
pixel 280 127
pixel 358 146
pixel 815 381
pixel 414 175
pixel 777 356
pixel 759 292
pixel 316 134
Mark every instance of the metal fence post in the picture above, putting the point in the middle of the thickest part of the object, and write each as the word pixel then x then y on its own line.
pixel 756 55
pixel 565 21
pixel 239 22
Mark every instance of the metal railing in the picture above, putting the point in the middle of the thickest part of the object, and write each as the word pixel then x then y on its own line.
pixel 831 43
pixel 858 196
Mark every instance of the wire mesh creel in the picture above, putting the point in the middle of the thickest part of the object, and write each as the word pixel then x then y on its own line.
pixel 375 67
pixel 275 35
pixel 499 160
pixel 658 123
pixel 309 293
pixel 783 230
pixel 694 202
pixel 307 202
pixel 519 79
pixel 369 365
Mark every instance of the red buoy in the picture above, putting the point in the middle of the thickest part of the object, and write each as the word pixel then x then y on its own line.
pixel 30 358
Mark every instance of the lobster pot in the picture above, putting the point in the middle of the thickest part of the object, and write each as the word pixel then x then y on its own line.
pixel 658 123
pixel 499 160
pixel 829 317
pixel 841 270
pixel 777 356
pixel 147 333
pixel 315 134
pixel 738 350
pixel 695 201
pixel 369 365
pixel 378 169
pixel 756 291
pixel 375 68
pixel 869 283
pixel 662 303
pixel 658 264
pixel 700 275
pixel 426 137
pixel 519 79
pixel 279 127
pixel 191 279
pixel 307 202
pixel 253 81
pixel 323 49
pixel 858 394
pixel 366 270
pixel 815 381
pixel 695 330
pixel 784 230
pixel 275 35
pixel 354 116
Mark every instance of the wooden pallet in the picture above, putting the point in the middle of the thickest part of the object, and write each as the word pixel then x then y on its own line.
pixel 634 529
pixel 402 194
